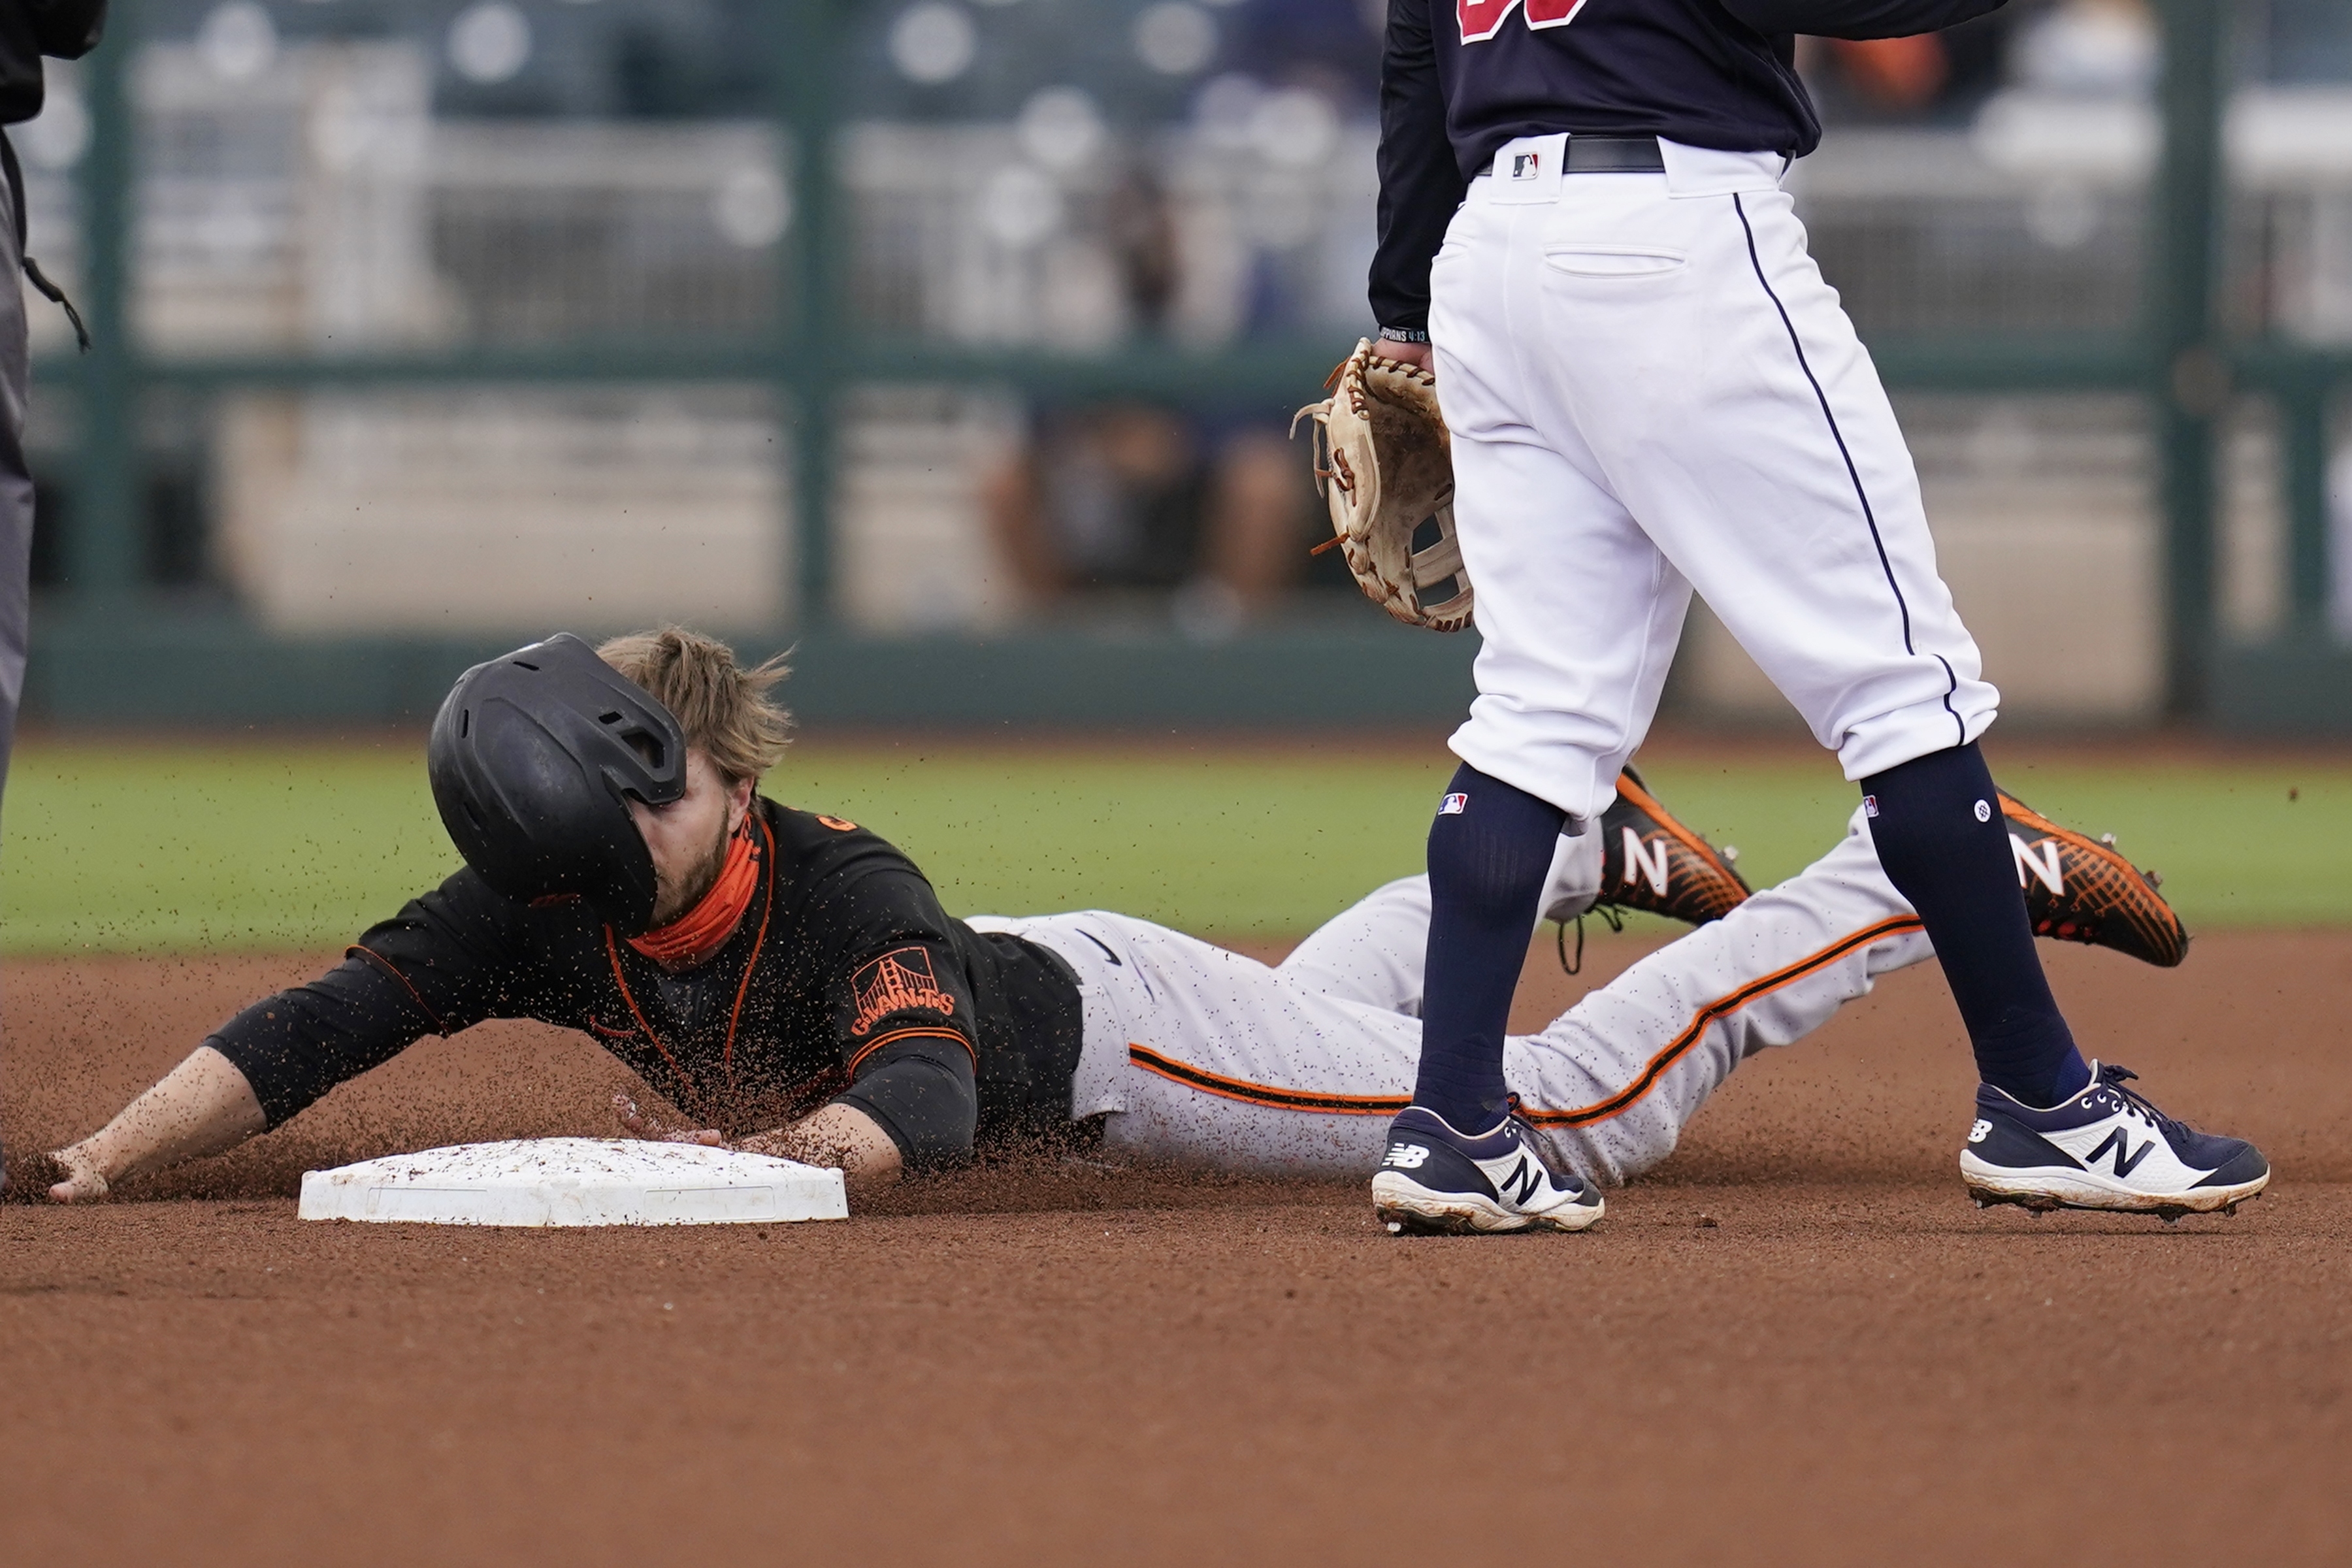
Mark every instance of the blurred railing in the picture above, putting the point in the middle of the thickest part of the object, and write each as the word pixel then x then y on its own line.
pixel 443 304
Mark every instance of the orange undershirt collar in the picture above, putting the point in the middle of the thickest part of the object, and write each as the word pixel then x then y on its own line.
pixel 703 930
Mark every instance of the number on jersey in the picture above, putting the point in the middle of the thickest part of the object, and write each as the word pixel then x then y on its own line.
pixel 1482 19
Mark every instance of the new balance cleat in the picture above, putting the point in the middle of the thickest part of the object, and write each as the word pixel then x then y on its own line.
pixel 2105 1148
pixel 1651 862
pixel 2079 889
pixel 1435 1180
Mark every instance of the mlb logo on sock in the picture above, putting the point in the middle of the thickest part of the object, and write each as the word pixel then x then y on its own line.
pixel 1452 805
pixel 1525 166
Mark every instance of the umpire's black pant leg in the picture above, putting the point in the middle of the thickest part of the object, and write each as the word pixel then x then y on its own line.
pixel 15 483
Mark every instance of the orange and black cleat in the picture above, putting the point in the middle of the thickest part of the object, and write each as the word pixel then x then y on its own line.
pixel 2079 889
pixel 1651 862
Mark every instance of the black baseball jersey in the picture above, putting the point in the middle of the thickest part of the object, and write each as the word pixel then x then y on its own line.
pixel 1461 77
pixel 844 980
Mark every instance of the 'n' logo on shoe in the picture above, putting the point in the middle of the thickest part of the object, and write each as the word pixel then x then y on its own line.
pixel 1407 1156
pixel 1526 1177
pixel 1642 866
pixel 2125 1161
pixel 2044 866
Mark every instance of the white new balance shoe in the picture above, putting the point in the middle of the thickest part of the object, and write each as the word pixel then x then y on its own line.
pixel 1436 1181
pixel 2105 1148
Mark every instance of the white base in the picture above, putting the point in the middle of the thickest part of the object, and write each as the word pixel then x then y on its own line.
pixel 575 1181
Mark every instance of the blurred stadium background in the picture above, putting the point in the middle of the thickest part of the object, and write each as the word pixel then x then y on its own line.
pixel 953 342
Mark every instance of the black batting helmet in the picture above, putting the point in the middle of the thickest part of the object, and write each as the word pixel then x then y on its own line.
pixel 533 759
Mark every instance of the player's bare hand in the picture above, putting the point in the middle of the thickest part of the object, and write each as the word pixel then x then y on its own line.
pixel 639 1124
pixel 1413 354
pixel 837 1135
pixel 73 1177
pixel 782 1144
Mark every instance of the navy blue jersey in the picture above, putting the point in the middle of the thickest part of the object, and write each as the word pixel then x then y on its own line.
pixel 1461 77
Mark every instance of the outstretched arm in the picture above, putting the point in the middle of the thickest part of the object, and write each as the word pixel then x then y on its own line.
pixel 203 1106
pixel 437 967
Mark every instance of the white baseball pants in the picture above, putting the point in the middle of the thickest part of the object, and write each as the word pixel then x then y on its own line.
pixel 1651 390
pixel 1206 1056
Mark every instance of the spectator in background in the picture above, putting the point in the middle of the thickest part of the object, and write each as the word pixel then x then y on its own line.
pixel 1142 234
pixel 28 29
pixel 1209 504
pixel 1136 495
pixel 1206 502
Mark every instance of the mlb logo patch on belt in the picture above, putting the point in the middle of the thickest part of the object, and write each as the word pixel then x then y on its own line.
pixel 1452 805
pixel 1527 171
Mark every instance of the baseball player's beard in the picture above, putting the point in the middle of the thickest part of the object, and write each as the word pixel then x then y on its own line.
pixel 675 898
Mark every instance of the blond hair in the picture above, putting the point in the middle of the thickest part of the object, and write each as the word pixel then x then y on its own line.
pixel 724 708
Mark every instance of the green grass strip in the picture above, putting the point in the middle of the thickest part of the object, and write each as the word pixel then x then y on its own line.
pixel 186 848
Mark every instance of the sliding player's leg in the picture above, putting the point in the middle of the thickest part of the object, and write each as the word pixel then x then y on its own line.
pixel 1611 1083
pixel 1373 950
pixel 1208 1056
pixel 1637 857
pixel 1198 1056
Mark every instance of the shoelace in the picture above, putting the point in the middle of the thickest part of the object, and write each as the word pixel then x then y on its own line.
pixel 1608 912
pixel 2113 1078
pixel 1534 1150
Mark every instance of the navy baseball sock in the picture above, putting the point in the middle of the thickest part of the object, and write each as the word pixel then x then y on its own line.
pixel 1939 828
pixel 1488 851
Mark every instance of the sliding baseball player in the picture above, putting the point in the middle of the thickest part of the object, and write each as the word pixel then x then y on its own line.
pixel 791 982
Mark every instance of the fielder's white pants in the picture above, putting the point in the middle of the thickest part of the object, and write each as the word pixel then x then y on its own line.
pixel 1206 1056
pixel 1651 390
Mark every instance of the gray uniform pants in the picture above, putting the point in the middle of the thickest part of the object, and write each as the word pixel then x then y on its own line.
pixel 1207 1057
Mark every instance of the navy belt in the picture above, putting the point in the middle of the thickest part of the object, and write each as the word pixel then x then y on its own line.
pixel 1609 155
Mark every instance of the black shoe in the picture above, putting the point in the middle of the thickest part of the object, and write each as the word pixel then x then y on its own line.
pixel 1651 862
pixel 2080 889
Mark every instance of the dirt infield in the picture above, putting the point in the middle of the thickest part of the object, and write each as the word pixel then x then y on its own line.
pixel 1795 1344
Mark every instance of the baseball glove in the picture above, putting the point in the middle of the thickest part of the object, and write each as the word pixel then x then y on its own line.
pixel 1384 467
